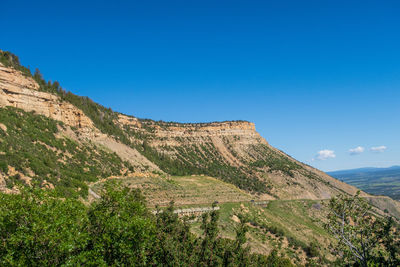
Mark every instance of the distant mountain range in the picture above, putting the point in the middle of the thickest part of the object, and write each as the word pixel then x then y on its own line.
pixel 377 181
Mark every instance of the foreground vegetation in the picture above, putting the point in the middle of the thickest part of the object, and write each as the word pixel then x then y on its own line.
pixel 363 238
pixel 39 229
pixel 293 227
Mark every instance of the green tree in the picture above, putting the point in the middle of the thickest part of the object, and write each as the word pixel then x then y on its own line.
pixel 38 229
pixel 175 245
pixel 241 254
pixel 121 228
pixel 363 238
pixel 209 245
pixel 389 238
pixel 274 260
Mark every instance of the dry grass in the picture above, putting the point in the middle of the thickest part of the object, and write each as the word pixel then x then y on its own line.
pixel 184 190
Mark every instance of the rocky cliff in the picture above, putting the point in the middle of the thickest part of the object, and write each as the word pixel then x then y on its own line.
pixel 20 91
pixel 23 92
pixel 232 151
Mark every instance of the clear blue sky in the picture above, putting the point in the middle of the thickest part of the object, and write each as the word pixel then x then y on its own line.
pixel 313 75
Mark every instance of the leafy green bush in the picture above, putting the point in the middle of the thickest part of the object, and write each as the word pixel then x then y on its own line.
pixel 312 250
pixel 39 229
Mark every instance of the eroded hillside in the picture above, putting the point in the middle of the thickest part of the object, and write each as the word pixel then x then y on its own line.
pixel 232 151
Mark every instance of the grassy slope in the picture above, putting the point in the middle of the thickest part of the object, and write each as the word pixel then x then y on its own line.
pixel 184 190
pixel 293 227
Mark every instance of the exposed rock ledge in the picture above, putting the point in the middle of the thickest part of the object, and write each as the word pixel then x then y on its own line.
pixel 171 129
pixel 19 91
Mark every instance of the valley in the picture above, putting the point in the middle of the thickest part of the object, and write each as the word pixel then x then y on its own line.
pixel 376 181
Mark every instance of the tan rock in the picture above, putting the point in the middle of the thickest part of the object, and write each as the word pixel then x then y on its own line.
pixel 11 171
pixel 19 91
pixel 2 182
pixel 3 127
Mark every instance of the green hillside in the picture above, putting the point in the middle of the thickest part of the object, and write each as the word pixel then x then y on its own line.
pixel 34 151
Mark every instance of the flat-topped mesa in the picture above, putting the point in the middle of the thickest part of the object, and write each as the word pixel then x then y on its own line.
pixel 211 126
pixel 207 129
pixel 21 91
pixel 175 129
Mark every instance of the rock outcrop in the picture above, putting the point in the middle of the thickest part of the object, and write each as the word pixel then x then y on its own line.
pixel 231 148
pixel 235 145
pixel 20 91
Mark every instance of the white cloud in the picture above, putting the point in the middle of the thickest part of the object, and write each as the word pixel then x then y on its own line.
pixel 356 151
pixel 325 154
pixel 378 149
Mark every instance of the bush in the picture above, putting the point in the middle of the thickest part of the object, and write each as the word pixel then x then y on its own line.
pixel 3 166
pixel 39 229
pixel 312 250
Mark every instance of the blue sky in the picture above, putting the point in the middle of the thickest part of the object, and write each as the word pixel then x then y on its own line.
pixel 315 76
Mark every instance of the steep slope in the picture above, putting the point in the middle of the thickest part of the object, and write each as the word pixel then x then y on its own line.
pixel 19 90
pixel 231 151
pixel 35 150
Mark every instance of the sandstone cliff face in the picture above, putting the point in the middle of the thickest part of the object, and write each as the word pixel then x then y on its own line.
pixel 205 129
pixel 236 145
pixel 241 132
pixel 233 149
pixel 224 136
pixel 19 91
pixel 167 133
pixel 171 129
